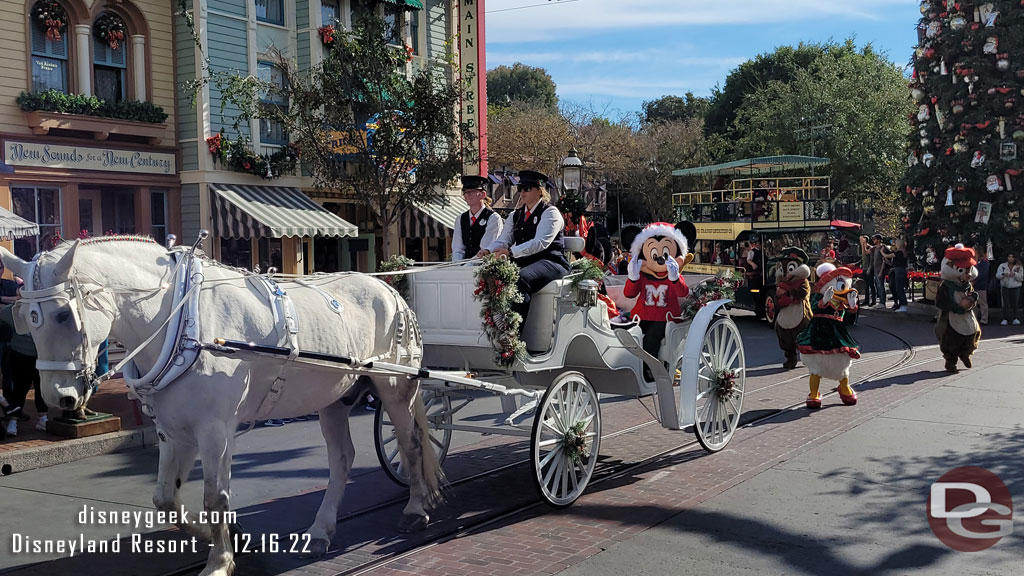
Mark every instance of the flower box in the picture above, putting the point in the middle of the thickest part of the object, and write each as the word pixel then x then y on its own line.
pixel 42 122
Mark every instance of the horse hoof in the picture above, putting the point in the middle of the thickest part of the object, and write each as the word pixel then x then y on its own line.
pixel 316 548
pixel 413 523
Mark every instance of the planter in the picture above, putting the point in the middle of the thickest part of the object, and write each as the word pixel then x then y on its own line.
pixel 101 128
pixel 931 288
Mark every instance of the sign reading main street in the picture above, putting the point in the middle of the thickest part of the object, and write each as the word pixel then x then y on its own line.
pixel 38 155
pixel 472 70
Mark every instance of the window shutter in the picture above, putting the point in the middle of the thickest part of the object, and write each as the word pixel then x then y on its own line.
pixel 102 54
pixel 43 45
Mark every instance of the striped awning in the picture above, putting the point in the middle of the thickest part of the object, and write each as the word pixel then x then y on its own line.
pixel 272 212
pixel 432 220
pixel 13 226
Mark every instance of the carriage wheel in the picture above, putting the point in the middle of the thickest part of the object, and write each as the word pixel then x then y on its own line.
pixel 770 310
pixel 566 439
pixel 439 411
pixel 720 379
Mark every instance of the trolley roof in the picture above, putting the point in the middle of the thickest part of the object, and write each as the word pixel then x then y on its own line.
pixel 762 165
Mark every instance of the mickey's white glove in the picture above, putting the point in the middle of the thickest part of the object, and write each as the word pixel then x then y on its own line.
pixel 673 269
pixel 633 269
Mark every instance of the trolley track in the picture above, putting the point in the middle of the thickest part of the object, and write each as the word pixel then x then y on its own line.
pixel 604 474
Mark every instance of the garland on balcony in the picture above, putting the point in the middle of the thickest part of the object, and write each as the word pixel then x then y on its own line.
pixel 50 16
pixel 57 101
pixel 110 28
pixel 496 287
pixel 239 156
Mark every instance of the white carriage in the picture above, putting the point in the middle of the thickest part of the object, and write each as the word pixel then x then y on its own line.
pixel 576 354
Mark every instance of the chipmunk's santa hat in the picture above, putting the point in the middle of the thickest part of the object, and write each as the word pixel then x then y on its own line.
pixel 659 229
pixel 961 257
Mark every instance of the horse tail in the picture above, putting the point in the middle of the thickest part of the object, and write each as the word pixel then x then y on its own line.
pixel 433 475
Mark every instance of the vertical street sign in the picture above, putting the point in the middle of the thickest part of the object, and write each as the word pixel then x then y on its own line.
pixel 473 83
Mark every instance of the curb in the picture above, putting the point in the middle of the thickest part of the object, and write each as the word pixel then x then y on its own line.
pixel 76 449
pixel 921 313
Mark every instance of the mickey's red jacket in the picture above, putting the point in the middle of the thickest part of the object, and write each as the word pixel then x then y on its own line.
pixel 656 297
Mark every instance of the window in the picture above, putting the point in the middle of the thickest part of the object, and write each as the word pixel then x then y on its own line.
pixel 109 59
pixel 270 254
pixel 158 215
pixel 42 206
pixel 49 55
pixel 393 24
pixel 360 9
pixel 414 33
pixel 272 132
pixel 236 252
pixel 270 11
pixel 329 13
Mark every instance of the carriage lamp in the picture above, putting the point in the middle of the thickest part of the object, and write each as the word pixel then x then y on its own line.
pixel 572 171
pixel 586 294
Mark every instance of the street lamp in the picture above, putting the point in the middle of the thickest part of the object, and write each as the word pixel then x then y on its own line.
pixel 572 171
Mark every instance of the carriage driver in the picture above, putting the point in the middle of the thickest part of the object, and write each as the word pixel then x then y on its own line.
pixel 477 227
pixel 532 238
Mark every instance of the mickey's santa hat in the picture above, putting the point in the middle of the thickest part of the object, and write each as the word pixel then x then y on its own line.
pixel 658 229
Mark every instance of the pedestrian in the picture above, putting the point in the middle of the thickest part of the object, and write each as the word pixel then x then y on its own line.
pixel 828 253
pixel 899 276
pixel 981 287
pixel 1010 275
pixel 867 272
pixel 878 267
pixel 21 361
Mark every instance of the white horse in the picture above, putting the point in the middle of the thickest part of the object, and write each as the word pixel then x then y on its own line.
pixel 119 289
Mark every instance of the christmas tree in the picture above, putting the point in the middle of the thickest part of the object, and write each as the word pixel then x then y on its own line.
pixel 964 179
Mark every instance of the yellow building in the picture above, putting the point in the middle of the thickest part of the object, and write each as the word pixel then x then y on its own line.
pixel 87 97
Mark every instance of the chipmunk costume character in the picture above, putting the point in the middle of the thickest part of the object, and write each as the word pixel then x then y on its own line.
pixel 957 327
pixel 658 253
pixel 792 301
pixel 827 348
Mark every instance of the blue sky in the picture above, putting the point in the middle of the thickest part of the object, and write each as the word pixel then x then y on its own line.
pixel 614 54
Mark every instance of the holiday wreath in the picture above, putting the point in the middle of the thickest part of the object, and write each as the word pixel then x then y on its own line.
pixel 721 287
pixel 110 28
pixel 50 16
pixel 496 287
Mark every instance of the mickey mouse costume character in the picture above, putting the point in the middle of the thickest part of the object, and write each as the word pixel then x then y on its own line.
pixel 657 254
pixel 793 301
pixel 957 328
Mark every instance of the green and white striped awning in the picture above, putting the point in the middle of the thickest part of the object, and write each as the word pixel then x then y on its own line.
pixel 13 226
pixel 407 4
pixel 432 219
pixel 272 212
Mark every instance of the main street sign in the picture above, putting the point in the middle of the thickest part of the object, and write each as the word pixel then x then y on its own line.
pixel 473 74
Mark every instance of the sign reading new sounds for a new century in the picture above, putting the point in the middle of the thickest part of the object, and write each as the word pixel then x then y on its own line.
pixel 472 68
pixel 38 155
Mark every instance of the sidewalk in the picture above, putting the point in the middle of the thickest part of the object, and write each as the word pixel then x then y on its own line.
pixel 37 449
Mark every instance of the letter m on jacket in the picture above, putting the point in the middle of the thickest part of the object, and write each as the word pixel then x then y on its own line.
pixel 656 295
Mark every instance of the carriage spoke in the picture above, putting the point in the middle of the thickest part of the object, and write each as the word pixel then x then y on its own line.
pixel 554 475
pixel 389 439
pixel 437 442
pixel 393 454
pixel 553 466
pixel 555 431
pixel 548 457
pixel 565 476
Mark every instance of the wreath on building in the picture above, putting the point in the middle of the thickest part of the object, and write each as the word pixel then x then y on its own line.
pixel 51 17
pixel 496 287
pixel 327 34
pixel 110 29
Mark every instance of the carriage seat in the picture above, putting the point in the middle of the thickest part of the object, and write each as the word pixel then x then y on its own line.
pixel 539 330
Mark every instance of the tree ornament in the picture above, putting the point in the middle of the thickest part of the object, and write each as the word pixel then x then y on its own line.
pixel 949 196
pixel 1003 63
pixel 934 29
pixel 925 142
pixel 923 113
pixel 1018 135
pixel 958 22
pixel 978 159
pixel 992 183
pixel 958 107
pixel 918 94
pixel 1007 151
pixel 991 45
pixel 942 68
pixel 912 161
pixel 928 158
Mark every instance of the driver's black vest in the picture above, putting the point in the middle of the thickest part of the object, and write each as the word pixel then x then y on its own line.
pixel 472 235
pixel 526 231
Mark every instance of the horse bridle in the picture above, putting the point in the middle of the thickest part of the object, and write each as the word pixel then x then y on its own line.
pixel 76 294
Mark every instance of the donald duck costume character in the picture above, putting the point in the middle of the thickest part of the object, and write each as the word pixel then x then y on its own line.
pixel 827 348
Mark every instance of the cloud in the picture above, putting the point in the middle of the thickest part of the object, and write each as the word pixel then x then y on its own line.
pixel 556 19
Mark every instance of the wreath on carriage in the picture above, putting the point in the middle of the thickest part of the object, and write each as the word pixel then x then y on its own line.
pixel 496 289
pixel 110 29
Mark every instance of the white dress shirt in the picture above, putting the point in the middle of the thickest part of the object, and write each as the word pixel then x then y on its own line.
pixel 550 224
pixel 492 232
